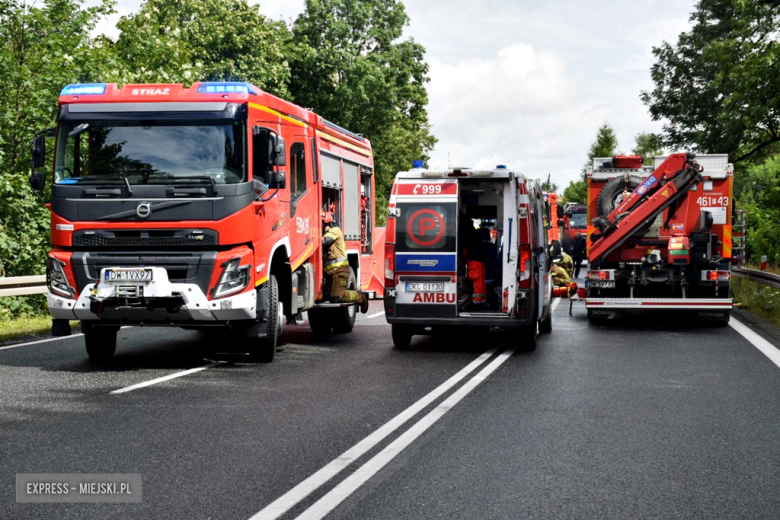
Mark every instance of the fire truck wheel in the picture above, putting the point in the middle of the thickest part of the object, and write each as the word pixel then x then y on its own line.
pixel 319 321
pixel 101 342
pixel 402 337
pixel 344 317
pixel 264 343
pixel 611 195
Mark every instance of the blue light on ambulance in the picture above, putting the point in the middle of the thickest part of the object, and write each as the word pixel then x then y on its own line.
pixel 81 89
pixel 225 88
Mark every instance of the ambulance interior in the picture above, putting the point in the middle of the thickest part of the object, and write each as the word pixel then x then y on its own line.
pixel 480 239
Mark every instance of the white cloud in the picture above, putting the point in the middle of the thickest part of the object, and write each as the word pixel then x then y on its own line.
pixel 528 83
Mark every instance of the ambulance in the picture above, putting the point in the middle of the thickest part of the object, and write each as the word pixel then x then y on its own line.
pixel 467 248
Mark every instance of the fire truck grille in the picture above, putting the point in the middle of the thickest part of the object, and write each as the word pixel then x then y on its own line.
pixel 145 238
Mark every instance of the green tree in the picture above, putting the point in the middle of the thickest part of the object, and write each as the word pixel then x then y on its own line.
pixel 718 88
pixel 760 198
pixel 648 145
pixel 44 46
pixel 576 191
pixel 182 41
pixel 350 65
pixel 605 145
pixel 549 187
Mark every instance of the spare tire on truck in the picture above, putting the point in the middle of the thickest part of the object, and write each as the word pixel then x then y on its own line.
pixel 611 195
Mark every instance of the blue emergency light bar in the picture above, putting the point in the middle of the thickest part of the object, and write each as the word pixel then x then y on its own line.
pixel 418 164
pixel 81 89
pixel 225 88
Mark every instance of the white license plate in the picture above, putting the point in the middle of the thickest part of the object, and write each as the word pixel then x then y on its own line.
pixel 601 284
pixel 128 275
pixel 424 287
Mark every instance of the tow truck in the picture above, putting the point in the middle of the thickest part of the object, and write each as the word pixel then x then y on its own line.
pixel 660 236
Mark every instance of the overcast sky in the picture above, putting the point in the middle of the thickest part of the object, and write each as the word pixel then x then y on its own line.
pixel 527 83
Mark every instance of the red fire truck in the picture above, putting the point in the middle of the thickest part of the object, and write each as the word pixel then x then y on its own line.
pixel 201 207
pixel 444 266
pixel 660 236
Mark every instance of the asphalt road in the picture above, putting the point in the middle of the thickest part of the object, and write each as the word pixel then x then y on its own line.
pixel 636 419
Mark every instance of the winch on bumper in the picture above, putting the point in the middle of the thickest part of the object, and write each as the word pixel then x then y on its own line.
pixel 149 297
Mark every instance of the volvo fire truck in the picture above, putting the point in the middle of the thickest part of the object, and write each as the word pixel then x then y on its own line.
pixel 201 208
pixel 441 223
pixel 660 236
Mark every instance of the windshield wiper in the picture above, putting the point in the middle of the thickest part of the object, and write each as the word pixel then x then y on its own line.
pixel 208 178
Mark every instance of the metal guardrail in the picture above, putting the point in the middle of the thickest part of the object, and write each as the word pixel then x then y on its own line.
pixel 23 285
pixel 757 276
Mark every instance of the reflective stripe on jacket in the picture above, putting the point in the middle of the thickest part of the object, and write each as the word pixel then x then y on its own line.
pixel 336 254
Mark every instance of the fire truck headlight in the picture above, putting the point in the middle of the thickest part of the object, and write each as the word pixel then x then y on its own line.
pixel 56 279
pixel 233 278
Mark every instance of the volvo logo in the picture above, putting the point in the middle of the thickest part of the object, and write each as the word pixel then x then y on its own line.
pixel 143 210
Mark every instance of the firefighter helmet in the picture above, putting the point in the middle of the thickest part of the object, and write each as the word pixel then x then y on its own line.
pixel 327 217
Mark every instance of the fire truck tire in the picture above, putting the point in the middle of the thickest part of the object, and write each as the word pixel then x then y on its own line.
pixel 100 342
pixel 265 343
pixel 402 336
pixel 319 321
pixel 611 194
pixel 344 317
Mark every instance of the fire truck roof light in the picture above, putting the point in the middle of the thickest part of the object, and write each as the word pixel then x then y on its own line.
pixel 82 89
pixel 225 88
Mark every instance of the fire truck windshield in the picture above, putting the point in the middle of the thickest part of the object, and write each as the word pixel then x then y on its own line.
pixel 579 220
pixel 149 152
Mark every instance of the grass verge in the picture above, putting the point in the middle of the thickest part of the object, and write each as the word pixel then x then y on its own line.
pixel 758 298
pixel 16 327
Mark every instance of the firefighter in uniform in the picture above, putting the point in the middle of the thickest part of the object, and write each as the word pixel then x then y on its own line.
pixel 567 263
pixel 336 265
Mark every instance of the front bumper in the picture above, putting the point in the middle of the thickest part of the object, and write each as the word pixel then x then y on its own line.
pixel 195 307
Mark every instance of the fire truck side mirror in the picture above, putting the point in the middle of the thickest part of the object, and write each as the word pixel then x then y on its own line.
pixel 38 181
pixel 561 223
pixel 278 181
pixel 277 148
pixel 39 151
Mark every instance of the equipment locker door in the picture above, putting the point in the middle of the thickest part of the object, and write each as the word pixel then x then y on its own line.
pixel 303 209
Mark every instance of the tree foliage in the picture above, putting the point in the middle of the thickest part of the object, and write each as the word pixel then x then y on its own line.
pixel 576 191
pixel 605 145
pixel 760 198
pixel 181 41
pixel 349 64
pixel 43 46
pixel 718 88
pixel 549 187
pixel 648 145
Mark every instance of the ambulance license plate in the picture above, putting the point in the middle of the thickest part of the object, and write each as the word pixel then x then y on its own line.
pixel 128 275
pixel 424 287
pixel 601 284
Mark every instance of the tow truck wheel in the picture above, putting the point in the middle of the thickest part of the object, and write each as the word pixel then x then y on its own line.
pixel 402 337
pixel 318 321
pixel 344 317
pixel 100 341
pixel 264 337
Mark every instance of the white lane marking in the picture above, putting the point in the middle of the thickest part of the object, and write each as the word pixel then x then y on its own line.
pixel 51 339
pixel 283 504
pixel 375 315
pixel 166 378
pixel 760 343
pixel 41 341
pixel 349 485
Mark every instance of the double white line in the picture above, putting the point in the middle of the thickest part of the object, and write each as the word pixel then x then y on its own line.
pixel 337 495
